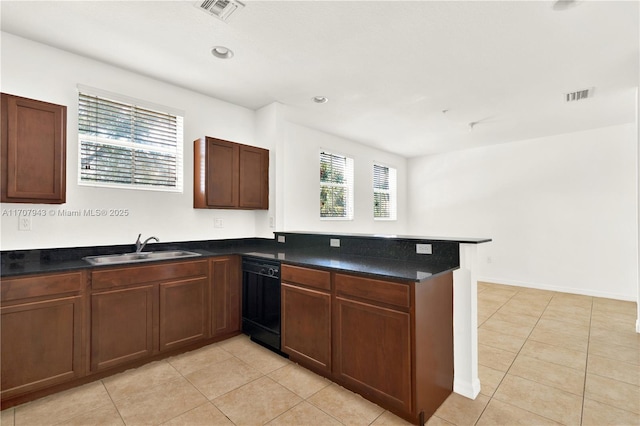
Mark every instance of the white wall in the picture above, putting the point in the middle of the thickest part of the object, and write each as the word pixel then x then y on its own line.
pixel 561 210
pixel 301 183
pixel 269 135
pixel 36 71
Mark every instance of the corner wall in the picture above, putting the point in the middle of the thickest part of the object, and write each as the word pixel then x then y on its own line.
pixel 561 210
pixel 301 183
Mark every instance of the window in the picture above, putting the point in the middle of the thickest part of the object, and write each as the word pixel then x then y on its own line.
pixel 336 186
pixel 384 192
pixel 124 144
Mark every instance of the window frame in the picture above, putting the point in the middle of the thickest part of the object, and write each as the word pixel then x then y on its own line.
pixel 348 185
pixel 392 191
pixel 138 105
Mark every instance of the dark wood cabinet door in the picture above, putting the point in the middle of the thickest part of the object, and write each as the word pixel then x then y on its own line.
pixel 229 175
pixel 306 326
pixel 254 178
pixel 226 290
pixel 121 326
pixel 373 352
pixel 183 312
pixel 41 344
pixel 222 173
pixel 33 151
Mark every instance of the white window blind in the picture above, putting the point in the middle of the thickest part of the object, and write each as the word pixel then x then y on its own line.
pixel 126 145
pixel 384 192
pixel 336 186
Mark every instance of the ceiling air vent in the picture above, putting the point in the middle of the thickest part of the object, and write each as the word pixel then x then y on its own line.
pixel 221 9
pixel 578 95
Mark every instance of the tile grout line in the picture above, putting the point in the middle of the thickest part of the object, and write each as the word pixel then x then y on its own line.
pixel 586 365
pixel 517 353
pixel 505 374
pixel 196 388
pixel 317 392
pixel 595 374
pixel 533 328
pixel 263 375
pixel 112 401
pixel 209 401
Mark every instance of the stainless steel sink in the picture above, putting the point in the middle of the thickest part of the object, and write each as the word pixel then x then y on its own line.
pixel 145 256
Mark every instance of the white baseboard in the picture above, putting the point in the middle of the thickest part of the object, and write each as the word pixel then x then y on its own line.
pixel 467 389
pixel 572 290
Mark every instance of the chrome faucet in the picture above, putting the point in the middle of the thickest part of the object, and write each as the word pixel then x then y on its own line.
pixel 140 246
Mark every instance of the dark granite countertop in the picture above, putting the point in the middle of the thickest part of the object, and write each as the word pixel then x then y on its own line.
pixel 375 267
pixel 39 262
pixel 387 257
pixel 23 262
pixel 417 238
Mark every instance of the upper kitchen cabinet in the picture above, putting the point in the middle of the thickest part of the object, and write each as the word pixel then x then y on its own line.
pixel 33 151
pixel 229 175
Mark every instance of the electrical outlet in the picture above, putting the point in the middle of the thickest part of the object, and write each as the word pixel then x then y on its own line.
pixel 489 260
pixel 272 222
pixel 281 239
pixel 334 242
pixel 218 223
pixel 24 223
pixel 423 249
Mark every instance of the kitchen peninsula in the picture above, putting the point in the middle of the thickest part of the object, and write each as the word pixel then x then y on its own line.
pixel 421 308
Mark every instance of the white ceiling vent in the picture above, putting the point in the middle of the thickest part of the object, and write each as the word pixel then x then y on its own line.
pixel 578 95
pixel 221 9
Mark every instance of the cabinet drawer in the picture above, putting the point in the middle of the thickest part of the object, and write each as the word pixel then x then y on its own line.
pixel 305 276
pixel 40 285
pixel 146 274
pixel 385 292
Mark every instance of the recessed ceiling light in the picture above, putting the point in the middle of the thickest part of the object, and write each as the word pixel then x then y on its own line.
pixel 222 52
pixel 320 99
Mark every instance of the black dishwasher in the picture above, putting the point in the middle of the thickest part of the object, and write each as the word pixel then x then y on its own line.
pixel 261 301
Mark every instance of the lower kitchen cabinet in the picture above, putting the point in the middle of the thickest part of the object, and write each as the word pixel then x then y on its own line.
pixel 226 298
pixel 392 342
pixel 306 316
pixel 306 326
pixel 373 351
pixel 121 326
pixel 57 329
pixel 41 331
pixel 183 312
pixel 373 344
pixel 139 311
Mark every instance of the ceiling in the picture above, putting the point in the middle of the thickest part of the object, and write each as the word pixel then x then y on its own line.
pixel 405 77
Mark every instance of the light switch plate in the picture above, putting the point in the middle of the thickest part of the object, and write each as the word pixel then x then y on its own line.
pixel 423 249
pixel 218 223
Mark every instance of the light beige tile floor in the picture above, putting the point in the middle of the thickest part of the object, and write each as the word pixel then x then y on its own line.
pixel 551 358
pixel 544 358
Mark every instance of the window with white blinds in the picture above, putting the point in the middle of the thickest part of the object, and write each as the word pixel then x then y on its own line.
pixel 336 186
pixel 384 192
pixel 126 144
